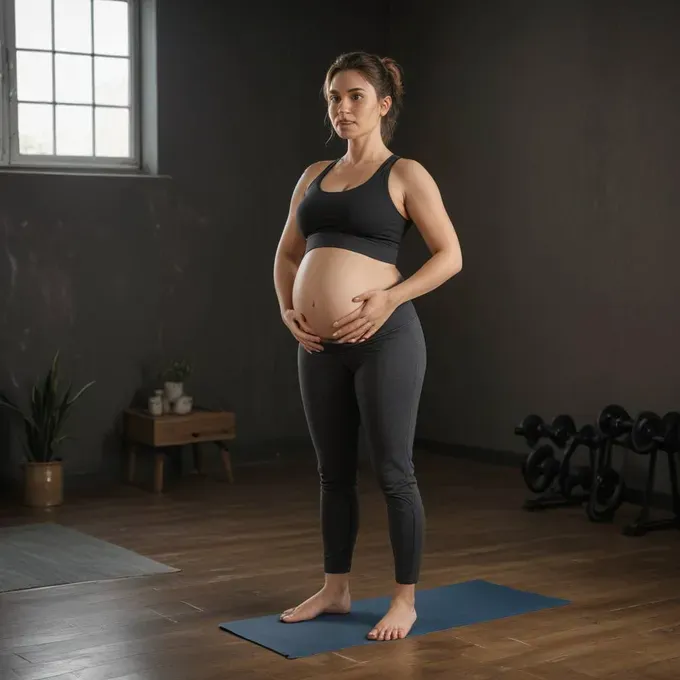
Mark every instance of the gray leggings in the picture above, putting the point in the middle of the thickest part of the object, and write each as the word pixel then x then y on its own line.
pixel 376 383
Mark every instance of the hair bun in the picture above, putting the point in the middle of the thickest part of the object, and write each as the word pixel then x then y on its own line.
pixel 396 73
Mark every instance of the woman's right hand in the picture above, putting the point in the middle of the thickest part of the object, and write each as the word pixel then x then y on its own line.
pixel 298 326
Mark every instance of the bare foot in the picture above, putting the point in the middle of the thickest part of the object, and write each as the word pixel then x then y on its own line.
pixel 397 623
pixel 326 601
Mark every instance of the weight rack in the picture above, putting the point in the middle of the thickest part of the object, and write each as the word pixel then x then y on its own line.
pixel 549 471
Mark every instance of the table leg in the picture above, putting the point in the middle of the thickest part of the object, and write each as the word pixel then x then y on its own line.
pixel 158 472
pixel 132 460
pixel 226 460
pixel 198 459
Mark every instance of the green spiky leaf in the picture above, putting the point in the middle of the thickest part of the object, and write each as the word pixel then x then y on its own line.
pixel 46 415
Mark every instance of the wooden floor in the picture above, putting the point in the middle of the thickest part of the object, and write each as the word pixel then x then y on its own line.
pixel 253 549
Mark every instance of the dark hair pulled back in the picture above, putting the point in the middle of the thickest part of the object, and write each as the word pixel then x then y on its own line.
pixel 383 73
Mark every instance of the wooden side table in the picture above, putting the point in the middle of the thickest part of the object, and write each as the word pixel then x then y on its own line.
pixel 141 429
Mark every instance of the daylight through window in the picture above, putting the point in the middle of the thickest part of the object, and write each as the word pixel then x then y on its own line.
pixel 69 82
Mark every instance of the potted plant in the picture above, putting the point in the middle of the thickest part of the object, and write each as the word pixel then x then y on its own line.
pixel 44 421
pixel 175 376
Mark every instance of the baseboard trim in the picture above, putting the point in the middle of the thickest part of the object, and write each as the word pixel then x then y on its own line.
pixel 634 496
pixel 476 453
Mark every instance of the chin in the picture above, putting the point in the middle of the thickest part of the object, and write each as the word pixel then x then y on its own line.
pixel 347 132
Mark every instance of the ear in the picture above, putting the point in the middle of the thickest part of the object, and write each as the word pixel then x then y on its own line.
pixel 385 105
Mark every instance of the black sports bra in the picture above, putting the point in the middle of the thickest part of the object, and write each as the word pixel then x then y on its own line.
pixel 363 219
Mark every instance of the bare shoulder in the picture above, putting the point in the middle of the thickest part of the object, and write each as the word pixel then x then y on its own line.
pixel 313 171
pixel 310 173
pixel 317 167
pixel 415 184
pixel 412 173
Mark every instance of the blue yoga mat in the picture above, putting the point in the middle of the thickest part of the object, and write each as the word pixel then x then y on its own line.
pixel 452 606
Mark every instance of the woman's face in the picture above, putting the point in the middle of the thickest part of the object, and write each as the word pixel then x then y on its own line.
pixel 353 106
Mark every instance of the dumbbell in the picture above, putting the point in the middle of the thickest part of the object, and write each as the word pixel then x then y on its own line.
pixel 540 468
pixel 533 429
pixel 606 495
pixel 614 421
pixel 608 487
pixel 570 476
pixel 650 432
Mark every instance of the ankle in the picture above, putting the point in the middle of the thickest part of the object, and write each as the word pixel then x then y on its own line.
pixel 405 594
pixel 337 583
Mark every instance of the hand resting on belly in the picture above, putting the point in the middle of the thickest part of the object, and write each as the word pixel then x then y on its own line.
pixel 329 278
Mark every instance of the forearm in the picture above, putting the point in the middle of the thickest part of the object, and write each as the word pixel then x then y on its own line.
pixel 285 271
pixel 436 271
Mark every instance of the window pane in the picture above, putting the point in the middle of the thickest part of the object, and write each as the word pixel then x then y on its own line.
pixel 73 78
pixel 33 22
pixel 111 30
pixel 111 81
pixel 73 25
pixel 112 132
pixel 35 129
pixel 34 76
pixel 74 130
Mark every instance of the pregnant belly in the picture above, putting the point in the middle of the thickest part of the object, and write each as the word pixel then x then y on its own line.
pixel 328 279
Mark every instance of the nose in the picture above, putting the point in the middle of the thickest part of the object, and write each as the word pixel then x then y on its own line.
pixel 344 105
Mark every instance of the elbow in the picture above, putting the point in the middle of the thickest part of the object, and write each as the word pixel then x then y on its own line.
pixel 454 261
pixel 450 258
pixel 457 264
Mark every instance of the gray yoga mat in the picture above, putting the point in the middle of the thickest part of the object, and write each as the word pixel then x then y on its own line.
pixel 39 555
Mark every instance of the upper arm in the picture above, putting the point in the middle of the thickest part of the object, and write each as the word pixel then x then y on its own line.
pixel 425 207
pixel 292 242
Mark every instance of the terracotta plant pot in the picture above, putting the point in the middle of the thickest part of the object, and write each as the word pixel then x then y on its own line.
pixel 43 484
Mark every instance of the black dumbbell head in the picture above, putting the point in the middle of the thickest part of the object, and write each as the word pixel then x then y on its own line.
pixel 563 429
pixel 531 428
pixel 670 431
pixel 540 468
pixel 645 433
pixel 610 420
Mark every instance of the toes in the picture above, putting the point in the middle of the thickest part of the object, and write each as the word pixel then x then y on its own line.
pixel 386 633
pixel 377 634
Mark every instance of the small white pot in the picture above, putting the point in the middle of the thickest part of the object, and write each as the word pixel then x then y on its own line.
pixel 156 405
pixel 173 390
pixel 184 404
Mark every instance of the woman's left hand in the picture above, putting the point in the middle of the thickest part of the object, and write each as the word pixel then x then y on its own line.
pixel 363 322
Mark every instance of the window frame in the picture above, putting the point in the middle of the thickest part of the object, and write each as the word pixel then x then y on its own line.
pixel 10 158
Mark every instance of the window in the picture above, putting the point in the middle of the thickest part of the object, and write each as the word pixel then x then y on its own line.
pixel 70 83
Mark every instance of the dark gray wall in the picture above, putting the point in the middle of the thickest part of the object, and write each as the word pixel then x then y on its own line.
pixel 553 130
pixel 123 274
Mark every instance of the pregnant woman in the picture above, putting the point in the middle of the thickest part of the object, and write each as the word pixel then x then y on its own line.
pixel 361 352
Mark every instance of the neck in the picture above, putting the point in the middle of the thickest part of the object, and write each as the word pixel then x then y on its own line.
pixel 367 149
